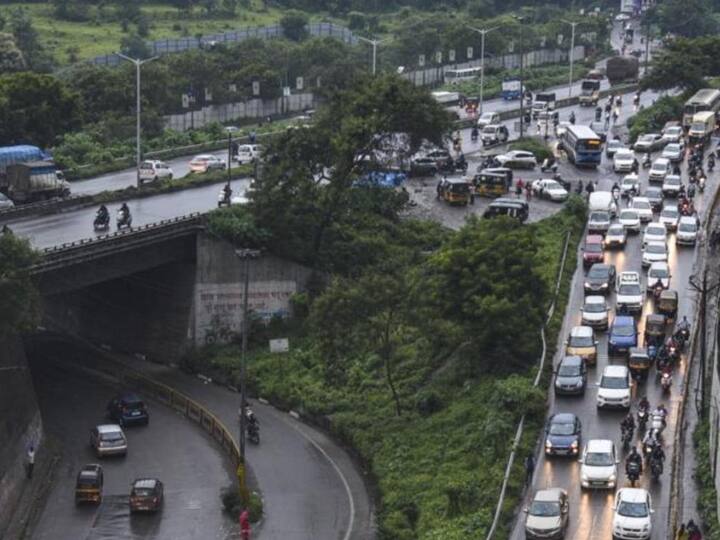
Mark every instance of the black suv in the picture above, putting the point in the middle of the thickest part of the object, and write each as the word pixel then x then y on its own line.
pixel 599 279
pixel 128 409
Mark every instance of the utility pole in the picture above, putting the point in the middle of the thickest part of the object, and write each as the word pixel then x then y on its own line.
pixel 482 33
pixel 704 291
pixel 374 43
pixel 647 45
pixel 572 53
pixel 138 64
pixel 522 85
pixel 244 255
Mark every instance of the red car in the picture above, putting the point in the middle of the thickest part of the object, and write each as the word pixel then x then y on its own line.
pixel 146 495
pixel 593 250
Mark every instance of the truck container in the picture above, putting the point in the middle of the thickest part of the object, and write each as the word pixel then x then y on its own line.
pixel 23 153
pixel 511 89
pixel 622 68
pixel 33 181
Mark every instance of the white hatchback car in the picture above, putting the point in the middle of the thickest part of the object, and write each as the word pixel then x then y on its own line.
pixel 658 271
pixel 247 153
pixel 595 312
pixel 654 252
pixel 655 232
pixel 599 465
pixel 151 170
pixel 669 216
pixel 623 160
pixel 549 189
pixel 614 388
pixel 643 207
pixel 632 514
pixel 615 237
pixel 659 170
pixel 687 231
pixel 630 220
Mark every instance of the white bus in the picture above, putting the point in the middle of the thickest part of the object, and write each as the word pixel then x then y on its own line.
pixel 707 99
pixel 454 76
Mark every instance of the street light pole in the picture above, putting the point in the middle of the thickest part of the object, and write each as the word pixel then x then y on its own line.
pixel 244 255
pixel 572 53
pixel 138 64
pixel 482 33
pixel 374 43
pixel 522 89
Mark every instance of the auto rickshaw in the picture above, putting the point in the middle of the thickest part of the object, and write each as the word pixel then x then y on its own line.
pixel 639 363
pixel 89 485
pixel 455 191
pixel 667 304
pixel 489 184
pixel 654 329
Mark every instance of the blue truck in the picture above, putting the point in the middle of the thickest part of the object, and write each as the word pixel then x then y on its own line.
pixel 28 174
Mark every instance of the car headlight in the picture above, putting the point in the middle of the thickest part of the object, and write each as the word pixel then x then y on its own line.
pixel 612 478
pixel 574 444
pixel 548 444
pixel 588 284
pixel 604 286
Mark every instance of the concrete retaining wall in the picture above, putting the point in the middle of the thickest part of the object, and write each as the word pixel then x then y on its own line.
pixel 20 424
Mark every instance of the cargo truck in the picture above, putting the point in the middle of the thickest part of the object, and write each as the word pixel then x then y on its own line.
pixel 33 181
pixel 622 68
pixel 589 92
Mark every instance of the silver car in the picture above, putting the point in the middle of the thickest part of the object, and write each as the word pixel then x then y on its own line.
pixel 547 515
pixel 5 203
pixel 673 152
pixel 108 440
pixel 649 142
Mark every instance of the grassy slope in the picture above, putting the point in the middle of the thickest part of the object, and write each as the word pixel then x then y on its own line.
pixel 438 474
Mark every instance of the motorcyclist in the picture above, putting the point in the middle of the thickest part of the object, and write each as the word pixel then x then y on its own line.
pixel 691 191
pixel 125 212
pixel 634 458
pixel 711 162
pixel 474 133
pixel 572 117
pixel 658 453
pixel 676 169
pixel 644 404
pixel 681 191
pixel 661 411
pixel 684 324
pixel 628 423
pixel 646 160
pixel 102 214
pixel 579 188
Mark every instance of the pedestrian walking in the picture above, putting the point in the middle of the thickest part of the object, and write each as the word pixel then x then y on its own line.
pixel 30 461
pixel 245 525
pixel 529 469
pixel 528 192
pixel 682 533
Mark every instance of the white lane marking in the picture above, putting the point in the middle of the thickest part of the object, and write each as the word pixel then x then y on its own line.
pixel 351 520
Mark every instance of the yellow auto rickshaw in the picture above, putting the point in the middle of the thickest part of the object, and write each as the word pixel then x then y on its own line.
pixel 667 304
pixel 455 191
pixel 490 184
pixel 639 363
pixel 89 484
pixel 654 329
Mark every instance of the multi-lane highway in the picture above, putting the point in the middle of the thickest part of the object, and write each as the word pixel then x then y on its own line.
pixel 178 453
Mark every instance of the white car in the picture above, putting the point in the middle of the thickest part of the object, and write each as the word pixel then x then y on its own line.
pixel 205 163
pixel 687 231
pixel 671 185
pixel 614 387
pixel 655 232
pixel 622 17
pixel 549 189
pixel 632 513
pixel 629 295
pixel 654 252
pixel 659 170
pixel 669 216
pixel 673 152
pixel 108 440
pixel 599 465
pixel 561 128
pixel 623 160
pixel 152 170
pixel 247 153
pixel 599 221
pixel 658 271
pixel 630 220
pixel 629 183
pixel 595 312
pixel 643 207
pixel 649 142
pixel 615 236
pixel 673 134
pixel 517 159
pixel 613 146
pixel 5 203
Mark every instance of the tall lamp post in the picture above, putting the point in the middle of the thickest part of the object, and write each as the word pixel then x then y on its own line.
pixel 520 20
pixel 572 53
pixel 374 43
pixel 244 255
pixel 482 32
pixel 138 64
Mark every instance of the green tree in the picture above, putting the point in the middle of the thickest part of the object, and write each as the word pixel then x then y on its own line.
pixel 11 58
pixel 134 46
pixel 684 63
pixel 688 18
pixel 19 298
pixel 36 108
pixel 293 24
pixel 28 40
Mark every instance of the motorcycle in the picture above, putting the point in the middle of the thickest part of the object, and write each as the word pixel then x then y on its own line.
pixel 224 198
pixel 626 435
pixel 632 470
pixel 253 433
pixel 474 135
pixel 101 223
pixel 548 165
pixel 656 467
pixel 682 335
pixel 701 183
pixel 642 416
pixel 124 221
pixel 666 381
pixel 647 162
pixel 657 423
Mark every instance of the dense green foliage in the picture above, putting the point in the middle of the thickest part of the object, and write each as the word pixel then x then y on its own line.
pixel 653 118
pixel 539 148
pixel 688 18
pixel 19 298
pixel 685 63
pixel 707 500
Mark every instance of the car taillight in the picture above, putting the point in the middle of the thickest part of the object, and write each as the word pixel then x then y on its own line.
pixel 155 499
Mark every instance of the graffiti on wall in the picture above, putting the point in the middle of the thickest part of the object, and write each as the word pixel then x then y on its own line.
pixel 219 306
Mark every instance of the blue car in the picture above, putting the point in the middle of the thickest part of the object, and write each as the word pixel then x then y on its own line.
pixel 563 435
pixel 128 409
pixel 623 335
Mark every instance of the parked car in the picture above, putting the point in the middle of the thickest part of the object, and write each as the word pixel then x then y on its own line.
pixel 614 388
pixel 247 153
pixel 687 231
pixel 152 170
pixel 615 236
pixel 632 514
pixel 571 376
pixel 650 142
pixel 127 409
pixel 595 312
pixel 423 166
pixel 547 515
pixel 600 279
pixel 549 189
pixel 623 335
pixel 108 440
pixel 205 163
pixel 146 495
pixel 563 435
pixel 599 465
pixel 517 159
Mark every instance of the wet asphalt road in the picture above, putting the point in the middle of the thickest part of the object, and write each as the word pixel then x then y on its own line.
pixel 189 464
pixel 591 511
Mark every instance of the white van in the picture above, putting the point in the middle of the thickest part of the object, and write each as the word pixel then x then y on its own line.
pixel 488 118
pixel 494 134
pixel 602 201
pixel 702 126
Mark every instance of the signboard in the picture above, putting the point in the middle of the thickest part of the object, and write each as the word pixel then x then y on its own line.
pixel 208 95
pixel 279 345
pixel 256 88
pixel 185 101
pixel 438 57
pixel 421 60
pixel 560 39
pixel 233 87
pixel 299 83
pixel 511 46
pixel 470 52
pixel 286 91
pixel 451 55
